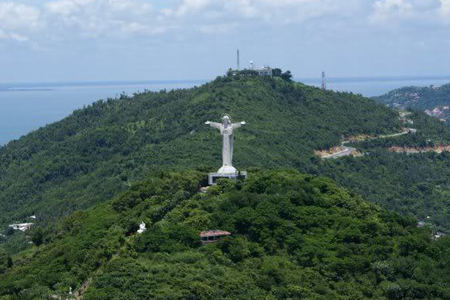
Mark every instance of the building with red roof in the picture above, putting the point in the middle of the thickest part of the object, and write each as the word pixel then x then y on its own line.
pixel 212 236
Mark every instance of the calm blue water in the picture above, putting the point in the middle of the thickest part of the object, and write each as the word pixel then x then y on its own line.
pixel 27 107
pixel 30 106
pixel 371 87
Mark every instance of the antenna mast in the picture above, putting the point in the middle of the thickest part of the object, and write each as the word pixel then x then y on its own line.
pixel 324 81
pixel 238 60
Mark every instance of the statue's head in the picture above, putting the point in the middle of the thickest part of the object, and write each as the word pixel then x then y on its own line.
pixel 226 120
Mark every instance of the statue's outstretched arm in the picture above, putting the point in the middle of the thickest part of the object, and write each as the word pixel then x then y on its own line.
pixel 237 125
pixel 213 124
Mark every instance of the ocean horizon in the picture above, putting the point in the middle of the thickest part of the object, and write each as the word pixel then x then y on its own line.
pixel 26 107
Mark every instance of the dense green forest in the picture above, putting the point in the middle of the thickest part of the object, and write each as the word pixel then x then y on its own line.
pixel 411 184
pixel 102 149
pixel 294 237
pixel 415 185
pixel 420 98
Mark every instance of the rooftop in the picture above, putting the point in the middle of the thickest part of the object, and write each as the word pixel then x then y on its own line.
pixel 214 233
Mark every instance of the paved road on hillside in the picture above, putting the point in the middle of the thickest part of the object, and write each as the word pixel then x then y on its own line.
pixel 350 150
pixel 347 152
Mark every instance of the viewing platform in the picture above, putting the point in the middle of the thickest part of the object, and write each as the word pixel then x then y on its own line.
pixel 213 177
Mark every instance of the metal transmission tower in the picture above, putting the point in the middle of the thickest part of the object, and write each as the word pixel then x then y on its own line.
pixel 238 60
pixel 324 81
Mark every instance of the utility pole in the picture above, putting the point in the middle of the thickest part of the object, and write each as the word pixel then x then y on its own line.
pixel 324 81
pixel 238 60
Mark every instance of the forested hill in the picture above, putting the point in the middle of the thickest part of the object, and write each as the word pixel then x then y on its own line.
pixel 434 100
pixel 102 149
pixel 294 237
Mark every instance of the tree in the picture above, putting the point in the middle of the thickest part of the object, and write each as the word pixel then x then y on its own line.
pixel 5 261
pixel 287 76
pixel 37 236
pixel 9 231
pixel 277 72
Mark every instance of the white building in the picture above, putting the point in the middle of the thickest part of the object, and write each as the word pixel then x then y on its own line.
pixel 22 227
pixel 264 71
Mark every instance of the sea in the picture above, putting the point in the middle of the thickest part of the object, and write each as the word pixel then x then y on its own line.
pixel 25 107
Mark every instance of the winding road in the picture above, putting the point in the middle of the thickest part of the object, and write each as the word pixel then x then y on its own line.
pixel 347 152
pixel 350 150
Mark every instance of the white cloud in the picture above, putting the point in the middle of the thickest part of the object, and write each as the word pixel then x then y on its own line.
pixel 13 36
pixel 19 38
pixel 94 18
pixel 17 20
pixel 217 28
pixel 64 8
pixel 445 8
pixel 281 11
pixel 400 12
pixel 98 7
pixel 386 9
pixel 189 6
pixel 130 6
pixel 138 28
pixel 58 20
pixel 18 16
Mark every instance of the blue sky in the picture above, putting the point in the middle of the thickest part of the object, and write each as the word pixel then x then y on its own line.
pixel 96 40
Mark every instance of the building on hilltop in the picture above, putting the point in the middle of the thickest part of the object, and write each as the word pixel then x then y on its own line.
pixel 263 71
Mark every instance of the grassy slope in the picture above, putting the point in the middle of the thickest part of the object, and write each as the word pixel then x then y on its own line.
pixel 295 236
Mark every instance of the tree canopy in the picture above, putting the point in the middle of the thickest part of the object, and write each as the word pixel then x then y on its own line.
pixel 294 236
pixel 102 149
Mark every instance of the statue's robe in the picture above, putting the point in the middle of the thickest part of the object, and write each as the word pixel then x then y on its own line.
pixel 228 138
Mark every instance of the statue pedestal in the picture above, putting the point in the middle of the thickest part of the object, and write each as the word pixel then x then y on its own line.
pixel 213 177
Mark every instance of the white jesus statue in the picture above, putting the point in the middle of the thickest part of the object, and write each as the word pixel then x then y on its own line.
pixel 227 130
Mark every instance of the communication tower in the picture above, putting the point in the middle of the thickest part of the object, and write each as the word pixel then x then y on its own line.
pixel 324 81
pixel 238 60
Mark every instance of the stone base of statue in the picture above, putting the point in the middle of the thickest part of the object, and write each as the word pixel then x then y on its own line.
pixel 213 177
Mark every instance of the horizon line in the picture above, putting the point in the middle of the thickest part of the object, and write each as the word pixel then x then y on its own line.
pixel 201 81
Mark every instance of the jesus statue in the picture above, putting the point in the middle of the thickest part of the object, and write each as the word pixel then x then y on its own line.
pixel 227 130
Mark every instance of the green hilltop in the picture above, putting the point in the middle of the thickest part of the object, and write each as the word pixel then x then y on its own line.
pixel 102 149
pixel 435 100
pixel 294 237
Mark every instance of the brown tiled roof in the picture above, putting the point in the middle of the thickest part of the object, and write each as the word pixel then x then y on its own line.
pixel 214 233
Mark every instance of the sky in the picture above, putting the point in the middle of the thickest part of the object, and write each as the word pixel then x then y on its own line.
pixel 127 40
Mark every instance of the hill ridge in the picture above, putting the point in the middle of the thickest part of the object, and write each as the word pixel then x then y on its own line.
pixel 100 150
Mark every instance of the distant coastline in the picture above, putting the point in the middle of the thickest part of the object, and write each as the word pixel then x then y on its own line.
pixel 374 79
pixel 51 86
pixel 26 90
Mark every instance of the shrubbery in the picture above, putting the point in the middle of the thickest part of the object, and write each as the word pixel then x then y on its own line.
pixel 293 236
